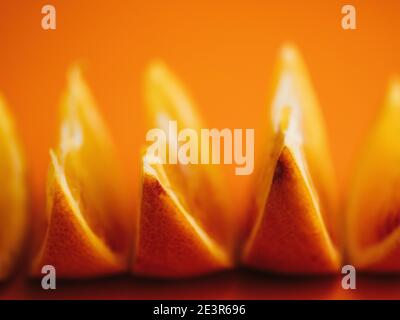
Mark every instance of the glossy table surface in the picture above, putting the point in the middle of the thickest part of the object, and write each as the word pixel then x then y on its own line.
pixel 227 285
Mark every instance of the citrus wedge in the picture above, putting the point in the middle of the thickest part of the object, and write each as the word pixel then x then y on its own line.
pixel 13 213
pixel 184 226
pixel 373 215
pixel 293 213
pixel 87 231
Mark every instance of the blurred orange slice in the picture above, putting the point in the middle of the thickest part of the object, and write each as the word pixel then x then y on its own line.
pixel 87 231
pixel 184 227
pixel 373 215
pixel 293 216
pixel 13 214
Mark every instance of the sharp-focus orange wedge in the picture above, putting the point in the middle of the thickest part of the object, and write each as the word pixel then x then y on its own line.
pixel 373 215
pixel 12 194
pixel 184 226
pixel 87 232
pixel 293 209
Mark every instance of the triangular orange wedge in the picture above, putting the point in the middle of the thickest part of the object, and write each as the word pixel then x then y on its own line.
pixel 293 209
pixel 373 215
pixel 184 226
pixel 13 214
pixel 87 228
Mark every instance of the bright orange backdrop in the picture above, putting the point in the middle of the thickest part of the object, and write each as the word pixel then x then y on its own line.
pixel 224 51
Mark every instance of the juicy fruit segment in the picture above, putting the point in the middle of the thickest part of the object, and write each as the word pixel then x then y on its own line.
pixel 184 227
pixel 293 88
pixel 373 215
pixel 87 231
pixel 293 212
pixel 12 194
pixel 166 99
pixel 171 242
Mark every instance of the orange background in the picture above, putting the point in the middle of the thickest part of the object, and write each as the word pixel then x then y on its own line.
pixel 223 51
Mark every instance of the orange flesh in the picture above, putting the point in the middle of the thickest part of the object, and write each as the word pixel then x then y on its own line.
pixel 373 214
pixel 13 213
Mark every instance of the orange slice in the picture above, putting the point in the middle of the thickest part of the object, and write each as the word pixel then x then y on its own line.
pixel 373 215
pixel 184 227
pixel 87 228
pixel 293 213
pixel 13 213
